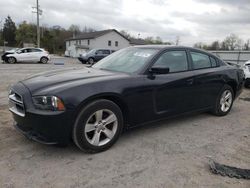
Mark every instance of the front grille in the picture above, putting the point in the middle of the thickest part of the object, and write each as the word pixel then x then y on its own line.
pixel 16 104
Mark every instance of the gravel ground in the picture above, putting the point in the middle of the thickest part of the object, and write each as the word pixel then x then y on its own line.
pixel 172 153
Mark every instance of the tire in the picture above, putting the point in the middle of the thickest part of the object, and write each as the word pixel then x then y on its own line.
pixel 91 61
pixel 99 135
pixel 224 101
pixel 44 60
pixel 11 60
pixel 247 84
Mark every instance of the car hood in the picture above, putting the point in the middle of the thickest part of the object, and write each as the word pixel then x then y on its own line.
pixel 54 79
pixel 8 52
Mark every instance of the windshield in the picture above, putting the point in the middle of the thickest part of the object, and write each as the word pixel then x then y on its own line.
pixel 91 51
pixel 128 60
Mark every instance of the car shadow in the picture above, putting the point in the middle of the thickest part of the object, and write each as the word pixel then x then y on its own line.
pixel 128 134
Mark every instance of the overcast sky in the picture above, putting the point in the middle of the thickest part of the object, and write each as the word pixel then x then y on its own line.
pixel 192 20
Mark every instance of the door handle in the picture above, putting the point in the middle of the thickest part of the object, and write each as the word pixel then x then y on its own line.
pixel 190 81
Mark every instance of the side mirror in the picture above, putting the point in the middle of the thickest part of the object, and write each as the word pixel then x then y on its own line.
pixel 159 70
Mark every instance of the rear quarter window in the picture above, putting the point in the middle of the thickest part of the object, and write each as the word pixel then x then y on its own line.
pixel 213 62
pixel 200 60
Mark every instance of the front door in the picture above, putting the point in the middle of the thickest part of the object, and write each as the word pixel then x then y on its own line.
pixel 173 91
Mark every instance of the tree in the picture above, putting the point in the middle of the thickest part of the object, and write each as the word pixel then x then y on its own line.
pixel 232 42
pixel 1 37
pixel 149 40
pixel 158 40
pixel 9 31
pixel 215 45
pixel 88 29
pixel 198 45
pixel 247 45
pixel 74 29
pixel 126 34
pixel 26 33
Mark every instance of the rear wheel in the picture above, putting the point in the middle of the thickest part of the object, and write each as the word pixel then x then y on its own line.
pixel 11 60
pixel 44 60
pixel 224 101
pixel 98 126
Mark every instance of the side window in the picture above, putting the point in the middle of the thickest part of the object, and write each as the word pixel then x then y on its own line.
pixel 105 51
pixel 200 60
pixel 23 51
pixel 99 52
pixel 176 61
pixel 30 50
pixel 213 62
pixel 36 50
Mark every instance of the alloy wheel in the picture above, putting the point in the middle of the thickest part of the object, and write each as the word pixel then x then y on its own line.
pixel 101 127
pixel 226 100
pixel 44 60
pixel 91 61
pixel 11 60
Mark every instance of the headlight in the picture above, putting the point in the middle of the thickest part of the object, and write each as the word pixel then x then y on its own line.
pixel 52 103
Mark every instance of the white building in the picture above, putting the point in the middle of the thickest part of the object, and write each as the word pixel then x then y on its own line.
pixel 106 39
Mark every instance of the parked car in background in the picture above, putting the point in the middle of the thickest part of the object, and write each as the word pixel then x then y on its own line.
pixel 94 55
pixel 246 68
pixel 26 55
pixel 131 87
pixel 233 64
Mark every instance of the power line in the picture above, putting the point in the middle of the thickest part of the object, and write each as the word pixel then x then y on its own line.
pixel 38 12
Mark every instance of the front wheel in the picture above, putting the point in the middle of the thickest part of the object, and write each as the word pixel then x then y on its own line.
pixel 91 61
pixel 11 60
pixel 224 101
pixel 98 126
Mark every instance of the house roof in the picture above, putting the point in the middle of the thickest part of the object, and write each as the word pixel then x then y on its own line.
pixel 95 34
pixel 135 41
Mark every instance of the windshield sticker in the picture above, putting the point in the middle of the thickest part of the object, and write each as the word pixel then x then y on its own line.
pixel 142 54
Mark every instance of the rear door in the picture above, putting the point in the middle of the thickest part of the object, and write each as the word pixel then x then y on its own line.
pixel 35 54
pixel 207 79
pixel 100 54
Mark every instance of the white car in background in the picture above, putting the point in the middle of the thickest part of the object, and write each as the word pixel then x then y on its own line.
pixel 246 68
pixel 27 55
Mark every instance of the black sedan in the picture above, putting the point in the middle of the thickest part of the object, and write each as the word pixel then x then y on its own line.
pixel 131 87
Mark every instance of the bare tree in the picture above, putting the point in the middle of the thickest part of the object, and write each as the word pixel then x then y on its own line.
pixel 247 45
pixel 233 42
pixel 126 34
pixel 75 29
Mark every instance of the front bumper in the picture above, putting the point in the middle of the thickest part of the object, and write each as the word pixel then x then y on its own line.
pixel 47 127
pixel 82 59
pixel 4 58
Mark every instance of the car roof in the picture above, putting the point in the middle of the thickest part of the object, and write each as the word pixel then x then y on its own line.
pixel 165 47
pixel 31 48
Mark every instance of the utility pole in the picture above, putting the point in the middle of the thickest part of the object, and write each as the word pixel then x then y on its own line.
pixel 38 12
